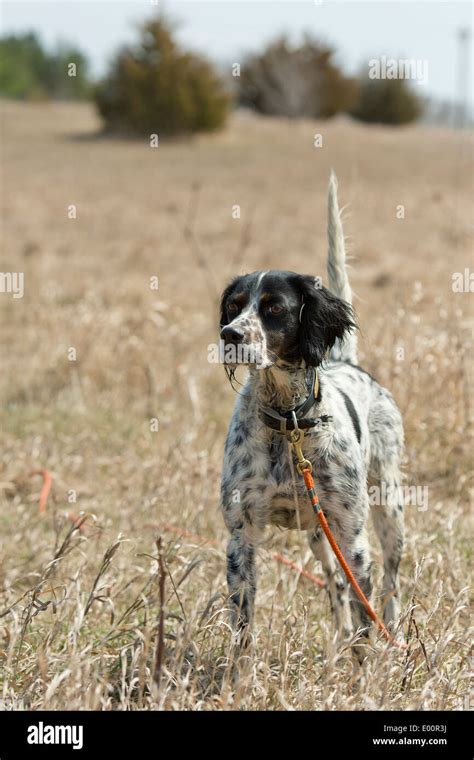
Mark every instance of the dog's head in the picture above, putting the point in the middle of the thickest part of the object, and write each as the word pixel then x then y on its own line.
pixel 276 315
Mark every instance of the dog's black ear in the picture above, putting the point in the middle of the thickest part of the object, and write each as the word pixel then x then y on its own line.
pixel 225 295
pixel 324 319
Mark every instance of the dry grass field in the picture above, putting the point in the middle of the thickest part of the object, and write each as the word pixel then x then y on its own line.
pixel 79 607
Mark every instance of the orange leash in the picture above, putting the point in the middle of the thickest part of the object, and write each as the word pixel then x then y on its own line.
pixel 305 469
pixel 46 488
pixel 78 520
pixel 285 561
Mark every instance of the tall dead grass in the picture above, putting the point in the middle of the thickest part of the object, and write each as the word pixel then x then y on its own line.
pixel 80 602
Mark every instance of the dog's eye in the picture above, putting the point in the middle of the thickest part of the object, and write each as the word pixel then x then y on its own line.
pixel 275 309
pixel 232 308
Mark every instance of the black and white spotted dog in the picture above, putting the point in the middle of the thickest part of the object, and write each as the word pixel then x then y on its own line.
pixel 301 353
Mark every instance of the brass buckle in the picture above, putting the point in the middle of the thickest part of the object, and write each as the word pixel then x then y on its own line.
pixel 296 438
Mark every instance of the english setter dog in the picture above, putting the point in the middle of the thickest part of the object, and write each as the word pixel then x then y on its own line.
pixel 297 339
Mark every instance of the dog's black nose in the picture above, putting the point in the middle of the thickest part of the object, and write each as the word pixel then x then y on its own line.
pixel 232 334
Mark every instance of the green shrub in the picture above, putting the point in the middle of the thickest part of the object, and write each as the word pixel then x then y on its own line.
pixel 157 88
pixel 292 81
pixel 387 101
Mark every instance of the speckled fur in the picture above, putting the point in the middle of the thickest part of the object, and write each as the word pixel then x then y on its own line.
pixel 257 479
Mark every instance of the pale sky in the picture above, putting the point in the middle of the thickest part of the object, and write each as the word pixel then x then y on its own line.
pixel 225 29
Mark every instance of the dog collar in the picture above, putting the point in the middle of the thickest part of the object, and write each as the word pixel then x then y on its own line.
pixel 295 418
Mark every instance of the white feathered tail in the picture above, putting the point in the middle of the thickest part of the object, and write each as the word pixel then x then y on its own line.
pixel 337 271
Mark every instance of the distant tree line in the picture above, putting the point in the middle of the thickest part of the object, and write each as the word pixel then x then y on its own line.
pixel 29 71
pixel 156 86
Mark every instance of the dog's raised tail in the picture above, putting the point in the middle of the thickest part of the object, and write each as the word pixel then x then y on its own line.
pixel 337 271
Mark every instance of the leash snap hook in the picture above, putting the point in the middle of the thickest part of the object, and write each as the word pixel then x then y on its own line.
pixel 296 434
pixel 296 437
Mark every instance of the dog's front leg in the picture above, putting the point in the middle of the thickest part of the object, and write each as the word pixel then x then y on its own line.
pixel 243 501
pixel 242 582
pixel 244 516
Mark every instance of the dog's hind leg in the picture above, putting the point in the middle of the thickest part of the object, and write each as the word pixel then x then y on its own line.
pixel 336 583
pixel 386 499
pixel 387 516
